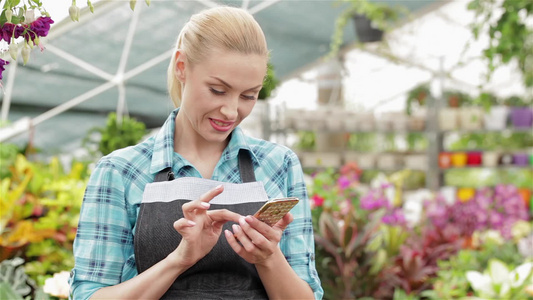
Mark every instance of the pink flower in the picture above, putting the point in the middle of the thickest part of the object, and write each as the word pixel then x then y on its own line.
pixel 343 182
pixel 317 201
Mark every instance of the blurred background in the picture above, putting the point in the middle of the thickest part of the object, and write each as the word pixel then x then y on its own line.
pixel 412 121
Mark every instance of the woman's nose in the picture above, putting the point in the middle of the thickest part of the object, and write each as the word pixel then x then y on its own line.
pixel 230 108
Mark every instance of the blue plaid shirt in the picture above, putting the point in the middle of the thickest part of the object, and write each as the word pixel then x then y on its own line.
pixel 103 248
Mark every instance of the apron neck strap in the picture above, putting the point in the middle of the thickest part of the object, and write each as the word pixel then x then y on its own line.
pixel 246 168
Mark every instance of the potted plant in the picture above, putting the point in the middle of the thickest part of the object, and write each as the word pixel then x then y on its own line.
pixel 495 114
pixel 371 21
pixel 417 97
pixel 470 114
pixel 521 114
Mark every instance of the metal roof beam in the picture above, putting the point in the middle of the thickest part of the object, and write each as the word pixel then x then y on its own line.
pixel 263 5
pixel 78 62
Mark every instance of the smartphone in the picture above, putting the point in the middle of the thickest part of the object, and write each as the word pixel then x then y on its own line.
pixel 273 210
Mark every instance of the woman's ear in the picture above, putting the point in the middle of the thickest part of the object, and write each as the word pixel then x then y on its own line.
pixel 181 61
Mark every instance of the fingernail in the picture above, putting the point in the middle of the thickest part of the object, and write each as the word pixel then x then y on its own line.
pixel 205 204
pixel 249 219
pixel 242 220
pixel 191 222
pixel 227 233
pixel 219 187
pixel 235 228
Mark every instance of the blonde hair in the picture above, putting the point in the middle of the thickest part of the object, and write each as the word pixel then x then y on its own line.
pixel 225 28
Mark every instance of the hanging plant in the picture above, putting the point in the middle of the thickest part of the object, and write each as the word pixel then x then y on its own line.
pixel 381 17
pixel 509 34
pixel 418 96
pixel 269 84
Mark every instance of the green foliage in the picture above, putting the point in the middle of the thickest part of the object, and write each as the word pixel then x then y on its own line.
pixel 39 211
pixel 509 33
pixel 493 141
pixel 306 140
pixel 362 141
pixel 115 135
pixel 8 153
pixel 451 282
pixel 515 101
pixel 14 283
pixel 487 100
pixel 269 84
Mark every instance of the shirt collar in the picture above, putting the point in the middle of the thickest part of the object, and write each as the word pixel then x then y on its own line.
pixel 163 151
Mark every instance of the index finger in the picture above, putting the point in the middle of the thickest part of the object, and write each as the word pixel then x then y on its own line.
pixel 203 201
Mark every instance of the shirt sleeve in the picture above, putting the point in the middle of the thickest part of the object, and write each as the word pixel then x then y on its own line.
pixel 104 240
pixel 298 240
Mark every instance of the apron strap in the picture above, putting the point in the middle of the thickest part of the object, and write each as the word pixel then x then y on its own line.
pixel 246 168
pixel 164 175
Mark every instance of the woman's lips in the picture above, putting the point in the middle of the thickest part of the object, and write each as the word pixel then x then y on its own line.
pixel 221 125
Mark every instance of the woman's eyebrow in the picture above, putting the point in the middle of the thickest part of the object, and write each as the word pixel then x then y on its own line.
pixel 229 86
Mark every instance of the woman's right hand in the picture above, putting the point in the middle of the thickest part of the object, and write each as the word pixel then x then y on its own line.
pixel 200 228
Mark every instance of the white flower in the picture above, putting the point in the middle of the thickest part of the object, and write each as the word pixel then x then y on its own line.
pixel 57 286
pixel 497 282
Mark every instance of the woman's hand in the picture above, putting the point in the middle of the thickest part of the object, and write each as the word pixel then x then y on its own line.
pixel 254 240
pixel 200 228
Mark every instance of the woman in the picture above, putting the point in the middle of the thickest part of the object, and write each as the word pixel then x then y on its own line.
pixel 153 214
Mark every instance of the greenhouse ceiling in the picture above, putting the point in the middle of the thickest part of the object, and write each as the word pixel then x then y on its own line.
pixel 116 60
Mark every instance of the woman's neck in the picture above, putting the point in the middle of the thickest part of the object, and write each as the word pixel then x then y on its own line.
pixel 192 146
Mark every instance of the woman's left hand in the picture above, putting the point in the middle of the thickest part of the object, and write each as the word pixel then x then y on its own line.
pixel 254 240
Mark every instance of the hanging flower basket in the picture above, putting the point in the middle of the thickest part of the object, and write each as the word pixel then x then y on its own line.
pixel 366 31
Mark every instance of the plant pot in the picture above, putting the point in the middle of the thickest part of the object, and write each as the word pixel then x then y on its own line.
pixel 399 121
pixel 363 160
pixel 496 118
pixel 474 158
pixel 521 117
pixel 521 159
pixel 445 160
pixel 416 162
pixel 506 159
pixel 389 162
pixel 384 122
pixel 448 118
pixel 365 30
pixel 525 194
pixel 321 159
pixel 366 121
pixel 490 159
pixel 449 193
pixel 471 118
pixel 459 159
pixel 465 194
pixel 417 121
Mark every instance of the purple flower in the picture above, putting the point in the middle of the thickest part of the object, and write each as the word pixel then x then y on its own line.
pixel 2 69
pixel 396 217
pixel 41 26
pixel 343 182
pixel 6 32
pixel 371 201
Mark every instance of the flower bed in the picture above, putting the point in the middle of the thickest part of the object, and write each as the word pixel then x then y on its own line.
pixel 373 242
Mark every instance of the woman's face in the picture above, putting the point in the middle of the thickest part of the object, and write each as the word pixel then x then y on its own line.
pixel 219 92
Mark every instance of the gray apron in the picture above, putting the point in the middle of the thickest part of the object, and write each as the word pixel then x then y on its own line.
pixel 221 274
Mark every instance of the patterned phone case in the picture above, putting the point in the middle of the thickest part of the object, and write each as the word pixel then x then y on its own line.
pixel 272 211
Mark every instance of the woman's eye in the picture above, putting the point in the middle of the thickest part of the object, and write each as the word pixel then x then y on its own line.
pixel 248 97
pixel 216 92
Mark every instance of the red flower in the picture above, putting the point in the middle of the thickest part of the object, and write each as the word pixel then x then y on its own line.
pixel 317 201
